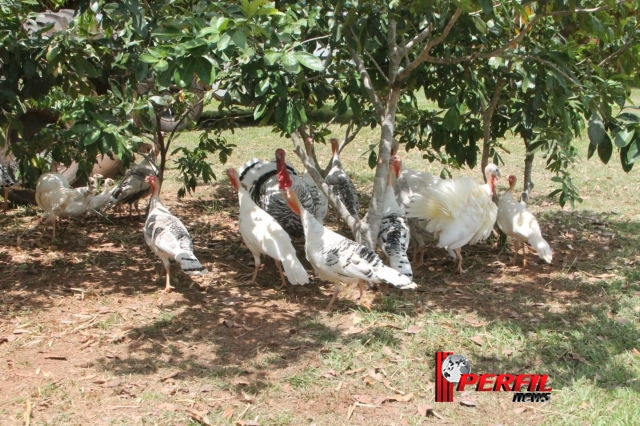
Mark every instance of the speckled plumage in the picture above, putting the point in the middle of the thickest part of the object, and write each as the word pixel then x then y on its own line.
pixel 261 177
pixel 133 187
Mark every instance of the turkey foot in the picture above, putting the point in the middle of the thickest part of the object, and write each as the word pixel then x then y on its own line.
pixel 168 286
pixel 336 290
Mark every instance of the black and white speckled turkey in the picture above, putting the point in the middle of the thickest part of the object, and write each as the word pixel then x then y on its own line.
pixel 6 181
pixel 319 199
pixel 340 182
pixel 168 237
pixel 394 234
pixel 133 186
pixel 266 180
pixel 340 260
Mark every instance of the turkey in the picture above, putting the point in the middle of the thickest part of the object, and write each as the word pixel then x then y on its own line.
pixel 134 186
pixel 99 201
pixel 168 237
pixel 265 180
pixel 340 260
pixel 57 199
pixel 319 199
pixel 263 235
pixel 459 211
pixel 394 234
pixel 340 182
pixel 411 182
pixel 516 221
pixel 6 181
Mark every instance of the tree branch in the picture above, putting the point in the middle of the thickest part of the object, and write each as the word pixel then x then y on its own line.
pixel 419 38
pixel 626 46
pixel 433 42
pixel 366 79
pixel 545 62
pixel 334 200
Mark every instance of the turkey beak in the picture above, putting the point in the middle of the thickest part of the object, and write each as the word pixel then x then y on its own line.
pixel 498 173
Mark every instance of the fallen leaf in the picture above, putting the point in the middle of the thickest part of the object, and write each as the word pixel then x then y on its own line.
pixel 165 406
pixel 413 329
pixel 57 357
pixel 520 410
pixel 402 398
pixel 228 413
pixel 507 352
pixel 386 351
pixel 241 382
pixel 112 383
pixel 357 370
pixel 597 377
pixel 228 323
pixel 622 321
pixel 514 315
pixel 635 352
pixel 20 331
pixel 246 423
pixel 200 417
pixel 469 402
pixel 375 376
pixel 363 399
pixel 478 340
pixel 206 388
pixel 585 404
pixel 168 390
pixel 230 301
pixel 427 410
pixel 169 376
pixel 9 338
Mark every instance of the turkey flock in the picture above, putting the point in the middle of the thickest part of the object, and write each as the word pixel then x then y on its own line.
pixel 277 204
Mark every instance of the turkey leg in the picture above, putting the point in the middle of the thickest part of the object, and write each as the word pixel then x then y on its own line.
pixel 458 252
pixel 279 266
pixel 5 206
pixel 524 255
pixel 256 261
pixel 168 286
pixel 336 290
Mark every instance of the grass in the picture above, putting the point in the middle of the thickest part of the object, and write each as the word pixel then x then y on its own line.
pixel 576 320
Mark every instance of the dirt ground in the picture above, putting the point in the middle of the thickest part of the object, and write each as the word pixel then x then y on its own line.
pixel 86 337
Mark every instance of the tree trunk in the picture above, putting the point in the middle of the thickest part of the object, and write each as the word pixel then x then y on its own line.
pixel 487 117
pixel 370 224
pixel 528 167
pixel 161 147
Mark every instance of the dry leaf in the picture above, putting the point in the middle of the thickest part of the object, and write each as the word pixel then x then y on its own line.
pixel 402 398
pixel 635 352
pixel 200 417
pixel 514 315
pixel 375 376
pixel 20 331
pixel 413 329
pixel 478 340
pixel 247 423
pixel 427 410
pixel 230 301
pixel 9 338
pixel 169 376
pixel 622 321
pixel 241 382
pixel 507 352
pixel 597 377
pixel 206 388
pixel 363 399
pixel 520 410
pixel 228 323
pixel 585 404
pixel 469 402
pixel 228 413
pixel 386 351
pixel 168 390
pixel 112 383
pixel 54 356
pixel 357 370
pixel 165 406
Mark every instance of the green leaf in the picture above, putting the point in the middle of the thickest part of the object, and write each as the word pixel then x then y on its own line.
pixel 633 151
pixel 161 65
pixel 624 158
pixel 373 160
pixel 308 60
pixel 596 129
pixel 591 150
pixel 623 137
pixel 53 53
pixel 271 57
pixel 605 149
pixel 92 137
pixel 627 116
pixel 259 111
pixel 239 39
pixel 451 120
pixel 224 41
pixel 262 87
pixel 487 7
pixel 290 63
pixel 204 70
pixel 148 58
pixel 480 25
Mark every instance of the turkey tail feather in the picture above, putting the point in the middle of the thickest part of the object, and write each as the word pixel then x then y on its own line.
pixel 190 265
pixel 393 278
pixel 296 274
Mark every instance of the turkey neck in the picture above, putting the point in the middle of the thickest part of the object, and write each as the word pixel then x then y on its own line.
pixel 155 196
pixel 492 184
pixel 284 180
pixel 335 159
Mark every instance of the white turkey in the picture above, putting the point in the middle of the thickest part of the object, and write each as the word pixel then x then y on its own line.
pixel 411 182
pixel 263 235
pixel 459 211
pixel 133 186
pixel 168 237
pixel 99 201
pixel 319 199
pixel 340 182
pixel 516 221
pixel 265 181
pixel 394 234
pixel 57 199
pixel 341 261
pixel 6 181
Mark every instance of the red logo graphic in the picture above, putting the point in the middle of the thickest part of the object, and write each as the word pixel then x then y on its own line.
pixel 452 368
